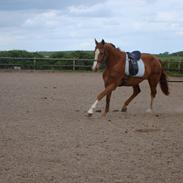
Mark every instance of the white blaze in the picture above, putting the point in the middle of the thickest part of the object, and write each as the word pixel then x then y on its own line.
pixel 97 51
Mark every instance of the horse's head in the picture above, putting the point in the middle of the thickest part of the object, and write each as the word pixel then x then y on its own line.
pixel 100 55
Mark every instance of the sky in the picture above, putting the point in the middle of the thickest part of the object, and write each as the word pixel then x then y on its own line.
pixel 153 26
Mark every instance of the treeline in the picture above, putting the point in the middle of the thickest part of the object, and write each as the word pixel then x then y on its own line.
pixel 73 54
pixel 56 54
pixel 173 57
pixel 20 53
pixel 70 54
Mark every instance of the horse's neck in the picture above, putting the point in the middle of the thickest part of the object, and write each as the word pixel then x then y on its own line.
pixel 114 58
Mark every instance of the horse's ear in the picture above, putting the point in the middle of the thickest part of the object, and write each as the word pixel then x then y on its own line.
pixel 96 42
pixel 103 42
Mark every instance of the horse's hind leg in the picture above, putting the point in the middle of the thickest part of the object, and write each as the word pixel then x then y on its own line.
pixel 153 81
pixel 136 91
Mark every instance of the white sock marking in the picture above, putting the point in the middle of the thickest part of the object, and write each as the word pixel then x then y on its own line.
pixel 90 111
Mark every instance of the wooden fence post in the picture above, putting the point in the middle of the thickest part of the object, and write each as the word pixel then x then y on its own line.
pixel 168 65
pixel 179 66
pixel 74 65
pixel 34 63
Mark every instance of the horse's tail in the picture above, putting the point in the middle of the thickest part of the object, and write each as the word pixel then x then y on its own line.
pixel 164 83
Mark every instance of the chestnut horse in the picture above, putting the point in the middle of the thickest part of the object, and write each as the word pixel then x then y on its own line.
pixel 114 74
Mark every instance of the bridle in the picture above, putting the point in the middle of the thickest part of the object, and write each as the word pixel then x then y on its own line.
pixel 103 57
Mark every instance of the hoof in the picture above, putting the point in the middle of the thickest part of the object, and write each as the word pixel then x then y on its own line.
pixel 124 109
pixel 90 114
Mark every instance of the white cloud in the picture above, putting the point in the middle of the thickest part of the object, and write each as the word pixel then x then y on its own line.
pixel 47 18
pixel 167 16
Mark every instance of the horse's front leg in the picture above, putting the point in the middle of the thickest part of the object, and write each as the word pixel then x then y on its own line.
pixel 108 97
pixel 108 90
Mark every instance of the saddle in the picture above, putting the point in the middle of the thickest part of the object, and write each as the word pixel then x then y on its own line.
pixel 135 55
pixel 133 58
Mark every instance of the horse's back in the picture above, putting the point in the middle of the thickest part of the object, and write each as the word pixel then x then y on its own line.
pixel 147 57
pixel 152 64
